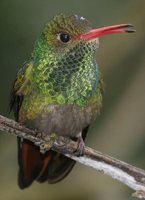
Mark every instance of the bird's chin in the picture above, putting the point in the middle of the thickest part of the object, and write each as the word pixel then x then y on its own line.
pixel 94 43
pixel 96 40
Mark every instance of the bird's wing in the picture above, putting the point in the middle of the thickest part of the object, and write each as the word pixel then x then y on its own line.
pixel 18 89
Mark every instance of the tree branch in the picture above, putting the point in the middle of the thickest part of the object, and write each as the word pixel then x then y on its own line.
pixel 129 175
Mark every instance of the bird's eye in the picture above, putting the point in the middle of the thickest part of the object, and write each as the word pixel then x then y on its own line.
pixel 64 37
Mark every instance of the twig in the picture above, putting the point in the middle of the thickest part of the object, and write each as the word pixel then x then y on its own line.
pixel 129 175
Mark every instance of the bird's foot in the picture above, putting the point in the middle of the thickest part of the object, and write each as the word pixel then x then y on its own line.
pixel 64 145
pixel 80 147
pixel 46 146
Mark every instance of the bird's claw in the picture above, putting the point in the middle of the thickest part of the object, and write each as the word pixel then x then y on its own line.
pixel 46 146
pixel 64 146
pixel 80 147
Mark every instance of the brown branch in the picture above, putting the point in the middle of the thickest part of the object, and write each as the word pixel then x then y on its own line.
pixel 125 173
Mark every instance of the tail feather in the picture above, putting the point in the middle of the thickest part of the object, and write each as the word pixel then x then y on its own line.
pixel 33 165
pixel 60 166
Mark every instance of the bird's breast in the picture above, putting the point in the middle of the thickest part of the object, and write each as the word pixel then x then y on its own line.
pixel 66 120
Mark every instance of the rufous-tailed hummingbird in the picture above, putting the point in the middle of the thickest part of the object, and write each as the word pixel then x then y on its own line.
pixel 58 90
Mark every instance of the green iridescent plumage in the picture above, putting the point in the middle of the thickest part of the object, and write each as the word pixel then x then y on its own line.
pixel 59 91
pixel 58 73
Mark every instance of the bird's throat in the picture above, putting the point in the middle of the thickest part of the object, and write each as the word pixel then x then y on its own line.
pixel 65 82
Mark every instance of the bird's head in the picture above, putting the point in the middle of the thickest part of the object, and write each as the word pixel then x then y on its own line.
pixel 73 35
pixel 64 57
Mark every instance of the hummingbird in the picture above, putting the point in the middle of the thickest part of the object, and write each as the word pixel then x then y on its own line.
pixel 59 90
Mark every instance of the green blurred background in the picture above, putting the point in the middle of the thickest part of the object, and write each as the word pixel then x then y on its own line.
pixel 118 131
